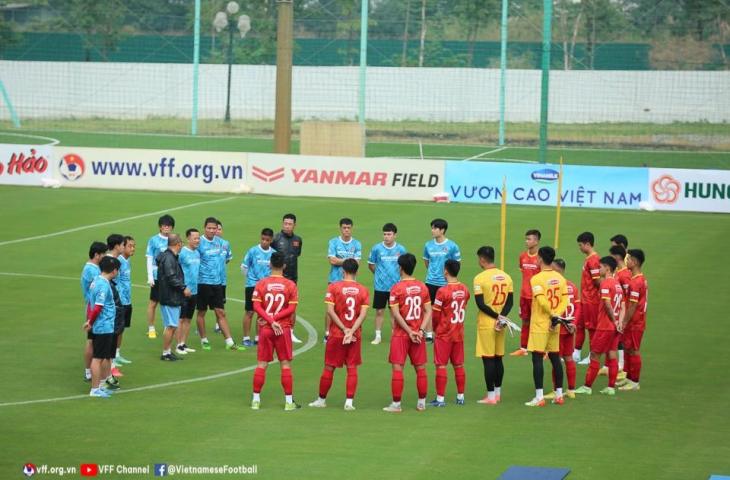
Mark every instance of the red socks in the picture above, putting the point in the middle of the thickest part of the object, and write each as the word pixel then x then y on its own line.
pixel 635 365
pixel 570 373
pixel 396 385
pixel 325 382
pixel 440 381
pixel 580 337
pixel 612 364
pixel 351 384
pixel 422 382
pixel 259 377
pixel 525 333
pixel 592 372
pixel 460 375
pixel 287 381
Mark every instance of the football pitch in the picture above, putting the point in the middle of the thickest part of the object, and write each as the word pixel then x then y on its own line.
pixel 196 412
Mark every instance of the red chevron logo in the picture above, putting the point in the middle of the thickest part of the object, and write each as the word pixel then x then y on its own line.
pixel 267 175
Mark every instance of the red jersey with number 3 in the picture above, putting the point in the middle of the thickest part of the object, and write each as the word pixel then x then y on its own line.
pixel 528 267
pixel 638 293
pixel 610 290
pixel 591 271
pixel 409 296
pixel 573 308
pixel 276 293
pixel 623 277
pixel 451 301
pixel 349 298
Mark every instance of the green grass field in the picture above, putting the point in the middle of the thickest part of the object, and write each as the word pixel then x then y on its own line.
pixel 674 428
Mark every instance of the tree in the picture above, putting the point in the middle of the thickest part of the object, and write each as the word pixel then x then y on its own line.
pixel 569 14
pixel 474 15
pixel 8 35
pixel 101 23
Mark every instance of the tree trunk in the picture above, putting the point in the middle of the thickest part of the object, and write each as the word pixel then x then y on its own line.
pixel 574 40
pixel 404 54
pixel 421 50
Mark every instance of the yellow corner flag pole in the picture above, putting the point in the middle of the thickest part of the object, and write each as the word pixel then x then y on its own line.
pixel 503 224
pixel 557 212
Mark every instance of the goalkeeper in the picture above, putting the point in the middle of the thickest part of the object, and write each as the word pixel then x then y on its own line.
pixel 549 301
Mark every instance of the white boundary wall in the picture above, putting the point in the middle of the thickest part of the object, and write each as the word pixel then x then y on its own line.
pixel 140 90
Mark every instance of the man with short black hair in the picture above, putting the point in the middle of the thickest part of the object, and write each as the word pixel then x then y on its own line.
pixel 528 263
pixel 340 248
pixel 156 245
pixel 634 322
pixel 256 265
pixel 91 270
pixel 589 282
pixel 190 262
pixel 435 253
pixel 124 287
pixel 290 245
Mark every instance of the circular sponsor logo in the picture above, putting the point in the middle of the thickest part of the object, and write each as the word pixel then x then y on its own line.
pixel 71 167
pixel 29 469
pixel 665 189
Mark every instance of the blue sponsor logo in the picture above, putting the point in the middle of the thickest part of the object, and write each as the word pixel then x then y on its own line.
pixel 546 175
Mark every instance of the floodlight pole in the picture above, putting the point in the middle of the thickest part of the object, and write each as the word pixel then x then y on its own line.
pixel 284 35
pixel 231 24
pixel 545 87
pixel 503 71
pixel 196 63
pixel 363 60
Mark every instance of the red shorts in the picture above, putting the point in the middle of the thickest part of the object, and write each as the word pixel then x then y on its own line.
pixel 336 354
pixel 269 341
pixel 567 344
pixel 604 341
pixel 445 350
pixel 402 347
pixel 525 309
pixel 632 339
pixel 588 316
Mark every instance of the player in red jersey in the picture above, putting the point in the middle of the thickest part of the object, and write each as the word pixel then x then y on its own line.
pixel 589 282
pixel 410 306
pixel 567 333
pixel 635 319
pixel 623 276
pixel 609 325
pixel 347 306
pixel 275 301
pixel 528 267
pixel 449 310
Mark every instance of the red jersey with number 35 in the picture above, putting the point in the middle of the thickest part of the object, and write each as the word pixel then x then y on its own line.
pixel 610 290
pixel 410 296
pixel 349 298
pixel 573 308
pixel 638 293
pixel 591 271
pixel 528 267
pixel 275 293
pixel 450 301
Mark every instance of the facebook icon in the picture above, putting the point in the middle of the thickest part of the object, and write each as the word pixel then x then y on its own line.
pixel 160 469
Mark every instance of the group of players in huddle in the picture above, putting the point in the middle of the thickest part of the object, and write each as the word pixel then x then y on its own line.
pixel 611 307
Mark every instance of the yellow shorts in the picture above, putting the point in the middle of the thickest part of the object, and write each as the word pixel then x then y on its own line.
pixel 544 342
pixel 489 342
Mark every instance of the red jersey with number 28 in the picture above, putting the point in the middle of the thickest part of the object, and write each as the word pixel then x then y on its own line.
pixel 409 296
pixel 623 277
pixel 276 293
pixel 349 298
pixel 610 290
pixel 451 301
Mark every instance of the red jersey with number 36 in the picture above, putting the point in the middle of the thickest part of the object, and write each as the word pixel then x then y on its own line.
pixel 610 290
pixel 275 293
pixel 450 301
pixel 573 308
pixel 409 296
pixel 591 271
pixel 349 298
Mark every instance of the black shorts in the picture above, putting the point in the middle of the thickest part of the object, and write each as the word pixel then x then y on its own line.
pixel 249 302
pixel 432 289
pixel 380 299
pixel 224 294
pixel 127 316
pixel 209 296
pixel 89 335
pixel 188 307
pixel 104 345
pixel 155 292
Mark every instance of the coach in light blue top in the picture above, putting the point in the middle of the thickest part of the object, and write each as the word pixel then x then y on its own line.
pixel 256 264
pixel 190 262
pixel 124 281
pixel 385 260
pixel 101 294
pixel 341 248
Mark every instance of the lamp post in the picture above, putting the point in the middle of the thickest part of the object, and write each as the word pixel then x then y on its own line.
pixel 223 20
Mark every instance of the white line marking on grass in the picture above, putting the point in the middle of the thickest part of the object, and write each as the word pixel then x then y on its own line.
pixel 311 342
pixel 24 135
pixel 111 222
pixel 485 153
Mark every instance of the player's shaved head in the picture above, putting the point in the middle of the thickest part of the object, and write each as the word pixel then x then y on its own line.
pixel 560 263
pixel 618 250
pixel 407 262
pixel 452 267
pixel 350 266
pixel 610 262
pixel 546 254
pixel 277 260
pixel 109 264
pixel 638 255
pixel 487 253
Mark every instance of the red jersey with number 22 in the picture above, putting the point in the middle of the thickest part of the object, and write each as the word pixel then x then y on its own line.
pixel 610 290
pixel 451 301
pixel 409 296
pixel 276 293
pixel 349 298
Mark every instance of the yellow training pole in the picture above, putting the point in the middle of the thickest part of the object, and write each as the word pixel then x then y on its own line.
pixel 557 212
pixel 503 224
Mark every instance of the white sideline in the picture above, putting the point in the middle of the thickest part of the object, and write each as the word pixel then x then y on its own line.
pixel 112 222
pixel 52 141
pixel 485 153
pixel 311 342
